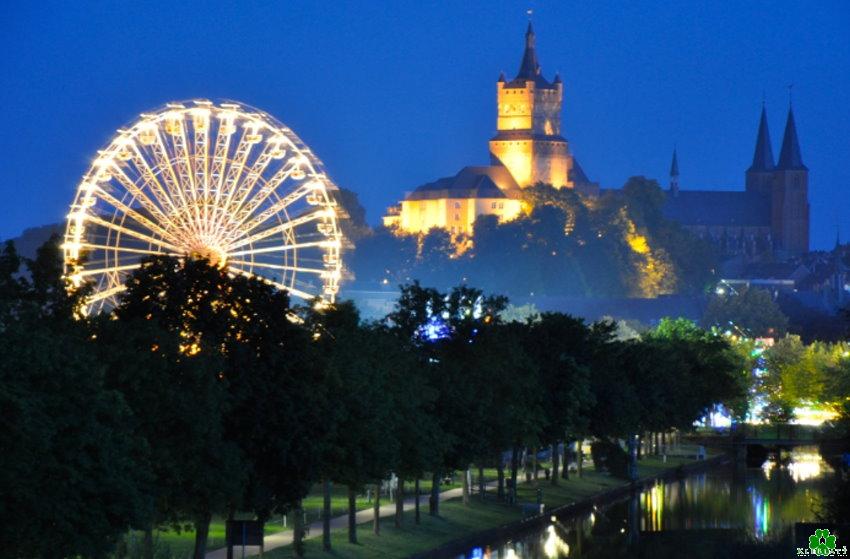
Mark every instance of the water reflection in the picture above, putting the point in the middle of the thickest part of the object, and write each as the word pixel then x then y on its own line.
pixel 726 502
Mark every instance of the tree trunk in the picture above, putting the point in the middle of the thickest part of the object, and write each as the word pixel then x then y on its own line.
pixel 465 490
pixel 500 484
pixel 376 522
pixel 352 515
pixel 298 529
pixel 555 459
pixel 326 515
pixel 514 467
pixel 640 439
pixel 481 488
pixel 399 503
pixel 579 455
pixel 633 451
pixel 534 465
pixel 565 470
pixel 663 442
pixel 434 501
pixel 416 499
pixel 147 544
pixel 202 532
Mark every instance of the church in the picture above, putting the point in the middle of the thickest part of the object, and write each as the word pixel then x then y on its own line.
pixel 769 219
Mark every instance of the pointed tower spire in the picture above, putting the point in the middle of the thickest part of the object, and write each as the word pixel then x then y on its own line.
pixel 529 69
pixel 674 174
pixel 789 156
pixel 763 156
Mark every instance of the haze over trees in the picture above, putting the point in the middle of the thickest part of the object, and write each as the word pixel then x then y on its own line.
pixel 564 244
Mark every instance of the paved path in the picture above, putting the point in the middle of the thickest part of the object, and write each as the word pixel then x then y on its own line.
pixel 280 539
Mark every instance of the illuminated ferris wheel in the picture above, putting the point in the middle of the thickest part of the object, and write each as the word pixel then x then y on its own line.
pixel 223 182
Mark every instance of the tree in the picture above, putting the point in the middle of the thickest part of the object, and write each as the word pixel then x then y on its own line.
pixel 560 346
pixel 358 362
pixel 75 472
pixel 263 374
pixel 748 311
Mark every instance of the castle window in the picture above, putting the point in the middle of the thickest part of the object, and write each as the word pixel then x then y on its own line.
pixel 457 205
pixel 457 217
pixel 493 206
pixel 501 205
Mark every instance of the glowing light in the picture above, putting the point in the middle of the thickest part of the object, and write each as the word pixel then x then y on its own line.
pixel 554 546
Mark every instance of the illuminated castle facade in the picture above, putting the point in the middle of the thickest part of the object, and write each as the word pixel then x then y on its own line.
pixel 527 149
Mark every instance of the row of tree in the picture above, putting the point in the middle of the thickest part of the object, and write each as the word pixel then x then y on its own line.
pixel 206 394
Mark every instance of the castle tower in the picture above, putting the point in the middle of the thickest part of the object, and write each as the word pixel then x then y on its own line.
pixel 790 204
pixel 674 174
pixel 759 177
pixel 528 141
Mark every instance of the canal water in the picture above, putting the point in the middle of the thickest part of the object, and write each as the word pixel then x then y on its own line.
pixel 728 507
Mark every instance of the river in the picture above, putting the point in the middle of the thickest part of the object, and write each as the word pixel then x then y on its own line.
pixel 724 506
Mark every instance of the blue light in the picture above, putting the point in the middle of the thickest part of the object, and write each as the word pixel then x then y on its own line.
pixel 435 329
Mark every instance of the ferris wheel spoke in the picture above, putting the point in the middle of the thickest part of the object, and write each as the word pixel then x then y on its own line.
pixel 282 203
pixel 285 248
pixel 96 271
pixel 252 176
pixel 201 127
pixel 140 195
pixel 284 267
pixel 106 293
pixel 169 176
pixel 265 191
pixel 185 171
pixel 156 187
pixel 142 220
pixel 131 232
pixel 291 224
pixel 293 290
pixel 118 248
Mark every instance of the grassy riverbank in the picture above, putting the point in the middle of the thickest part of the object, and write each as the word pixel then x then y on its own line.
pixel 457 521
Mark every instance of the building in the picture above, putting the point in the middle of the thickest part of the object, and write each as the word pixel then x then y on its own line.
pixel 768 219
pixel 528 148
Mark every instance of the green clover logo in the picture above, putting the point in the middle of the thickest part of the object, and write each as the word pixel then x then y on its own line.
pixel 821 542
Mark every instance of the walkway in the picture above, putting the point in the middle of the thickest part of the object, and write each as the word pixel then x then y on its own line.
pixel 280 539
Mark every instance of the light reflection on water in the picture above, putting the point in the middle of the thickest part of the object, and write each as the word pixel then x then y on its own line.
pixel 762 501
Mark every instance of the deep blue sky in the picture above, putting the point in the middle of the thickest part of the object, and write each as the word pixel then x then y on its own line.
pixel 394 95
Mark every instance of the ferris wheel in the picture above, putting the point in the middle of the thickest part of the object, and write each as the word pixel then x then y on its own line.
pixel 224 182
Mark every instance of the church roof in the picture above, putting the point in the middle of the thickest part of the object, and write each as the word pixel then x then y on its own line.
pixel 529 68
pixel 674 166
pixel 471 182
pixel 718 207
pixel 577 175
pixel 789 156
pixel 763 156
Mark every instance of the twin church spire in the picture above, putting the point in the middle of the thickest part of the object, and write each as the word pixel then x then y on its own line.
pixel 790 157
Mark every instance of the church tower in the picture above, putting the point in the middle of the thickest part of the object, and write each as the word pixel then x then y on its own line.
pixel 528 141
pixel 759 177
pixel 790 204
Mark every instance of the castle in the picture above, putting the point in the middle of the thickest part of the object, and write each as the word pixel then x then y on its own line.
pixel 769 219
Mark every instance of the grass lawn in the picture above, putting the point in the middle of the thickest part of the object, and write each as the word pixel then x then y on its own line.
pixel 182 543
pixel 455 521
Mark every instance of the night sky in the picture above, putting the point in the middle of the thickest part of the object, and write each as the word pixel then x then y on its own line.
pixel 393 95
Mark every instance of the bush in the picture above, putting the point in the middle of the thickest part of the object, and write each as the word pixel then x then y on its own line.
pixel 609 456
